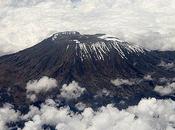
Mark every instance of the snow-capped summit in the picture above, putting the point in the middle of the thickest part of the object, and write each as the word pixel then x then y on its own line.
pixel 96 46
pixel 109 38
pixel 66 33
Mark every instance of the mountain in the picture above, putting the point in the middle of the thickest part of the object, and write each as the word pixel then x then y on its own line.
pixel 96 62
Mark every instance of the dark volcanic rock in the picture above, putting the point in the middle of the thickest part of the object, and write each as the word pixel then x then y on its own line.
pixel 92 61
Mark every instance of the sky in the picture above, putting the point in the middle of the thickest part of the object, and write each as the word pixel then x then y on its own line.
pixel 148 23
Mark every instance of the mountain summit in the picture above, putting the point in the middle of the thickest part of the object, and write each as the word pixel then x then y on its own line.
pixel 94 47
pixel 108 69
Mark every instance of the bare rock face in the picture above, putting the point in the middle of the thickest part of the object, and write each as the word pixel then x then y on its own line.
pixel 94 61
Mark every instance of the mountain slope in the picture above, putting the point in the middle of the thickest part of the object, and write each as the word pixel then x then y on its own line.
pixel 92 61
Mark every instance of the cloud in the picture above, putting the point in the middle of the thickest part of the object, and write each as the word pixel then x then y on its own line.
pixel 167 65
pixel 148 77
pixel 42 85
pixel 24 23
pixel 165 90
pixel 33 111
pixel 149 114
pixel 80 106
pixel 72 91
pixel 163 80
pixel 33 125
pixel 118 82
pixel 7 115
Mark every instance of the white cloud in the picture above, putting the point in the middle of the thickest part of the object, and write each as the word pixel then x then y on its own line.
pixel 118 82
pixel 167 65
pixel 163 80
pixel 72 91
pixel 23 23
pixel 149 114
pixel 44 84
pixel 165 90
pixel 33 111
pixel 80 106
pixel 63 126
pixel 32 97
pixel 148 77
pixel 159 114
pixel 7 115
pixel 36 124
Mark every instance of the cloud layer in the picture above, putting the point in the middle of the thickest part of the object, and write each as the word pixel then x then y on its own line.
pixel 149 114
pixel 24 23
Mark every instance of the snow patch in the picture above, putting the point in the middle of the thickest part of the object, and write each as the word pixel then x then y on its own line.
pixel 100 49
pixel 108 37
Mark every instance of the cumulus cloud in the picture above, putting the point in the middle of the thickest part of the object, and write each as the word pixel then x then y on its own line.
pixel 33 111
pixel 80 106
pixel 118 82
pixel 42 85
pixel 23 23
pixel 167 65
pixel 165 90
pixel 72 90
pixel 147 77
pixel 33 125
pixel 149 114
pixel 7 115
